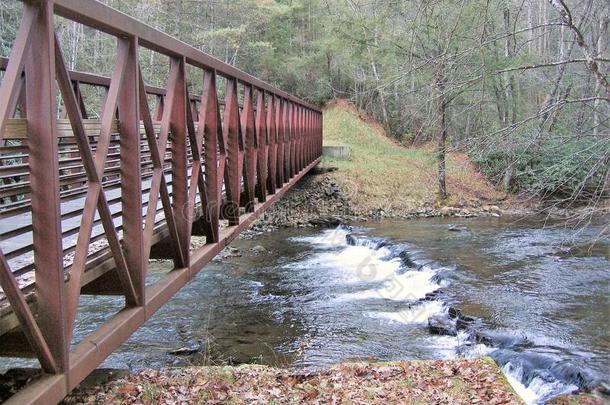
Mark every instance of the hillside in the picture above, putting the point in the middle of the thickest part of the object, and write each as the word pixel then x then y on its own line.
pixel 380 179
pixel 380 173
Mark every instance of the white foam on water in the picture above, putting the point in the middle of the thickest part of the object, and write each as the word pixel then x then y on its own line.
pixel 477 350
pixel 330 238
pixel 417 314
pixel 356 264
pixel 409 286
pixel 539 390
pixel 364 263
pixel 461 345
pixel 514 376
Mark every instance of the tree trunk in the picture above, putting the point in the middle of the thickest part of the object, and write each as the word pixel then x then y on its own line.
pixel 509 52
pixel 600 50
pixel 510 96
pixel 442 136
pixel 590 55
pixel 441 151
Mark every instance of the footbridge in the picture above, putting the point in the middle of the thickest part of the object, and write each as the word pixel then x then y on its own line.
pixel 87 199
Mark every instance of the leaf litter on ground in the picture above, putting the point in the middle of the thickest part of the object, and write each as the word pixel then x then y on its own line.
pixel 461 381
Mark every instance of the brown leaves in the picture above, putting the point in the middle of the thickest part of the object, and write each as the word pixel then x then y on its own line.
pixel 128 390
pixel 311 394
pixel 433 382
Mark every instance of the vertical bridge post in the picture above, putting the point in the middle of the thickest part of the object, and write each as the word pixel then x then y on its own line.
pixel 44 180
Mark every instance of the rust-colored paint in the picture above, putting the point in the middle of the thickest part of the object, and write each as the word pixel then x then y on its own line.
pixel 219 158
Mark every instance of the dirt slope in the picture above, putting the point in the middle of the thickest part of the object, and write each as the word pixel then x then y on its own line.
pixel 380 173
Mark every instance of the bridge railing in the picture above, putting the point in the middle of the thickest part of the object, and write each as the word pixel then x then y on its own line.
pixel 86 200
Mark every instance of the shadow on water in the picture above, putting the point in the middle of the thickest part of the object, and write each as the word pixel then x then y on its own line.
pixel 529 295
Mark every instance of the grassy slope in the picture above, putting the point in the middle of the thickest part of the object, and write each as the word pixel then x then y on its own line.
pixel 381 173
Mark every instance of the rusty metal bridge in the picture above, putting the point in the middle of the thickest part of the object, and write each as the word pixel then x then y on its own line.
pixel 86 202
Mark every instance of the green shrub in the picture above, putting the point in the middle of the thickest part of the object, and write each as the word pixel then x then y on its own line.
pixel 559 167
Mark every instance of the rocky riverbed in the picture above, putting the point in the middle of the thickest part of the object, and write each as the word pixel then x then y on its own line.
pixel 320 199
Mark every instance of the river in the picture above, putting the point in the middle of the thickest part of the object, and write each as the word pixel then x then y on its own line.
pixel 534 294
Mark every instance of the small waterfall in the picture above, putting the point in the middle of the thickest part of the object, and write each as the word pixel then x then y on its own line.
pixel 389 272
pixel 535 389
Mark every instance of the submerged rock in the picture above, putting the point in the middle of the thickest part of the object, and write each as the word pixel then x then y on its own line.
pixel 442 325
pixel 193 348
pixel 228 252
pixel 458 228
pixel 546 368
pixel 567 371
pixel 373 243
pixel 502 340
pixel 258 249
pixel 406 259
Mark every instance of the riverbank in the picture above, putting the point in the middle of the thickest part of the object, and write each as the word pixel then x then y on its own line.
pixel 322 199
pixel 382 179
pixel 463 381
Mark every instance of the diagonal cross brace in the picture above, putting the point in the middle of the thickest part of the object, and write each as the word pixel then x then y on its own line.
pixel 158 183
pixel 94 168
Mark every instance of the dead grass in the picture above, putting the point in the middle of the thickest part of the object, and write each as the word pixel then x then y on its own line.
pixel 383 174
pixel 406 382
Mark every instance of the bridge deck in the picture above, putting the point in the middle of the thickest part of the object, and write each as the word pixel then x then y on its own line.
pixel 86 203
pixel 16 224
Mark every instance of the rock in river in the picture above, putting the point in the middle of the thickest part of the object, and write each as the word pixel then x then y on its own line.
pixel 442 325
pixel 258 249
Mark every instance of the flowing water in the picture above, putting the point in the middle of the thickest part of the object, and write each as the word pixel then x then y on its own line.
pixel 537 296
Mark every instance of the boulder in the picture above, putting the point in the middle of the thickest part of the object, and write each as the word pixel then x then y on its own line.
pixel 502 340
pixel 326 221
pixel 453 312
pixel 461 321
pixel 434 295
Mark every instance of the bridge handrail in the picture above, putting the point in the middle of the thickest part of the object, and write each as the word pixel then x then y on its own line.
pixel 114 22
pixel 163 176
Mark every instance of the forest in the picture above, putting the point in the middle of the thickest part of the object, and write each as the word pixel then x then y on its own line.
pixel 522 86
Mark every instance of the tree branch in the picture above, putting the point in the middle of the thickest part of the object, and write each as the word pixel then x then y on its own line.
pixel 549 64
pixel 590 62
